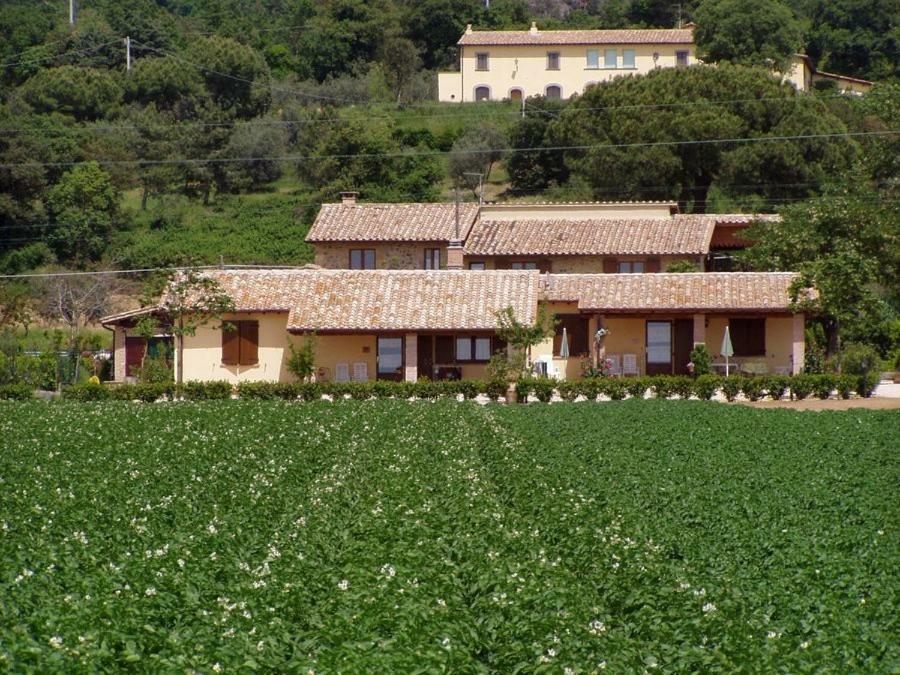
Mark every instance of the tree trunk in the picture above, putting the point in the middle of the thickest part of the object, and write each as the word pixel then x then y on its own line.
pixel 145 193
pixel 832 329
pixel 180 338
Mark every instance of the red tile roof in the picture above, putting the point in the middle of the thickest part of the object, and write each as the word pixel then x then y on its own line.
pixel 686 235
pixel 682 36
pixel 391 222
pixel 701 291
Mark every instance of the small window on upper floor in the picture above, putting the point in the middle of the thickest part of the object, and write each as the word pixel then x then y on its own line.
pixel 610 59
pixel 478 266
pixel 523 265
pixel 628 58
pixel 432 258
pixel 631 267
pixel 553 91
pixel 552 60
pixel 482 93
pixel 681 59
pixel 593 58
pixel 481 61
pixel 362 259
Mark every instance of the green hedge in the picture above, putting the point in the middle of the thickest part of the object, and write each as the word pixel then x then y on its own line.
pixel 16 392
pixel 527 389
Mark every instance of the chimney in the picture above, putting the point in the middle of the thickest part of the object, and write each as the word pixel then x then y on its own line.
pixel 349 198
pixel 534 30
pixel 468 29
pixel 455 255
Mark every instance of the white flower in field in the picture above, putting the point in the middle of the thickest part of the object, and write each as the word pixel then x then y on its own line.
pixel 217 667
pixel 259 583
pixel 181 563
pixel 709 607
pixel 773 635
pixel 56 642
pixel 343 584
pixel 684 585
pixel 597 627
pixel 211 528
pixel 880 532
pixel 568 671
pixel 260 646
pixel 445 643
pixel 441 602
pixel 601 665
pixel 700 592
pixel 804 645
pixel 551 652
pixel 150 592
pixel 388 571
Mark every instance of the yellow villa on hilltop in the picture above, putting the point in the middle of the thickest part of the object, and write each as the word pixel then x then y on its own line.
pixel 513 65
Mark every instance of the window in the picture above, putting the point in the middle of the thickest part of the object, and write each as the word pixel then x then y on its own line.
pixel 523 265
pixel 240 343
pixel 362 258
pixel 610 58
pixel 515 94
pixel 432 258
pixel 720 261
pixel 593 58
pixel 481 61
pixel 576 333
pixel 553 91
pixel 631 267
pixel 476 266
pixel 628 58
pixel 443 349
pixel 469 348
pixel 482 93
pixel 748 336
pixel 681 59
pixel 552 60
pixel 390 358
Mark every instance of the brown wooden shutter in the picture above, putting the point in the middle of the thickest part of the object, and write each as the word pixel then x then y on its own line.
pixel 578 331
pixel 231 340
pixel 249 335
pixel 652 265
pixel 501 264
pixel 497 345
pixel 545 266
pixel 610 266
pixel 443 349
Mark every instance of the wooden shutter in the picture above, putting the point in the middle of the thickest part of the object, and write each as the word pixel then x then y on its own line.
pixel 231 340
pixel 652 265
pixel 497 345
pixel 249 341
pixel 501 264
pixel 610 265
pixel 443 349
pixel 578 335
pixel 544 266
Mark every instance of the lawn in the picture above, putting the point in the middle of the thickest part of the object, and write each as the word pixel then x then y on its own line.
pixel 388 536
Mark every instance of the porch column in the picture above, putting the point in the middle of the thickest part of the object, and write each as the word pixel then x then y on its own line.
pixel 411 369
pixel 699 329
pixel 119 353
pixel 593 325
pixel 798 353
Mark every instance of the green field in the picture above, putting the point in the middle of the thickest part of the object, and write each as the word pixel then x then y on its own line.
pixel 388 536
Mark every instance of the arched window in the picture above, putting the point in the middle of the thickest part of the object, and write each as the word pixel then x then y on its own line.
pixel 515 94
pixel 482 93
pixel 553 91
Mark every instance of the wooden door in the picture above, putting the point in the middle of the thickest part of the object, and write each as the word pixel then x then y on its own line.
pixel 659 347
pixel 134 353
pixel 390 358
pixel 684 344
pixel 425 356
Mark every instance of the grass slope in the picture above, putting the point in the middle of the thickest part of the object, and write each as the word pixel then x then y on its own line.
pixel 376 537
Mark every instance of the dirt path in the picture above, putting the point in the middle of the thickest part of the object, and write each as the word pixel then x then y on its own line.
pixel 830 404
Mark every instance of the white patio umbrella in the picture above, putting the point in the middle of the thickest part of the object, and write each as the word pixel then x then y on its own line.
pixel 564 347
pixel 727 349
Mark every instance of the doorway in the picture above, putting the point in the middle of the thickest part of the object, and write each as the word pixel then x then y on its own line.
pixel 425 356
pixel 390 358
pixel 659 348
pixel 684 345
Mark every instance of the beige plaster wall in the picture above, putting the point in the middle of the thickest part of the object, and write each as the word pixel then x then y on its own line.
pixel 390 255
pixel 779 341
pixel 349 349
pixel 525 67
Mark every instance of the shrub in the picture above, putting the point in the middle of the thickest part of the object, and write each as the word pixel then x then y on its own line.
pixel 636 387
pixel 858 359
pixel 846 385
pixel 148 393
pixel 702 360
pixel 541 387
pixel 261 391
pixel 568 390
pixel 753 388
pixel 154 370
pixel 309 391
pixel 731 387
pixel 705 386
pixel 86 392
pixel 496 388
pixel 302 361
pixel 823 385
pixel 865 384
pixel 204 391
pixel 777 386
pixel 801 386
pixel 682 386
pixel 16 392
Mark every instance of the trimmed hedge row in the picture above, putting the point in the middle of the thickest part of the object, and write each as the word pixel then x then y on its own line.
pixel 541 389
pixel 16 392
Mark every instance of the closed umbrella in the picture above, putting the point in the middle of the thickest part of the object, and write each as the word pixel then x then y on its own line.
pixel 564 347
pixel 727 349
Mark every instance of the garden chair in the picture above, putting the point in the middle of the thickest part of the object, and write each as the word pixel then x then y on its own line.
pixel 629 365
pixel 360 371
pixel 615 365
pixel 342 372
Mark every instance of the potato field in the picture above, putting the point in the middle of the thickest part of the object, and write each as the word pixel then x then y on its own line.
pixel 396 537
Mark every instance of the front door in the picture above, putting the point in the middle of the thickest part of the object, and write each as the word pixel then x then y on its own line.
pixel 659 347
pixel 425 356
pixel 134 354
pixel 390 358
pixel 684 344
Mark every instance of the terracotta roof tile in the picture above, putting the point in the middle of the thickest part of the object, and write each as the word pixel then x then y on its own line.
pixel 688 235
pixel 682 36
pixel 701 291
pixel 390 222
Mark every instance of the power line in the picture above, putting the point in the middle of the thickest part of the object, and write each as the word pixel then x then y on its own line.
pixel 37 46
pixel 439 153
pixel 74 52
pixel 144 270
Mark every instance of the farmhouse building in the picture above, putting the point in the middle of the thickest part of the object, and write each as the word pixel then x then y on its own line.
pixel 513 65
pixel 407 324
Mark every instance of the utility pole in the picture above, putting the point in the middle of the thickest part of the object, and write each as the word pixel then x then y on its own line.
pixel 127 53
pixel 73 12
